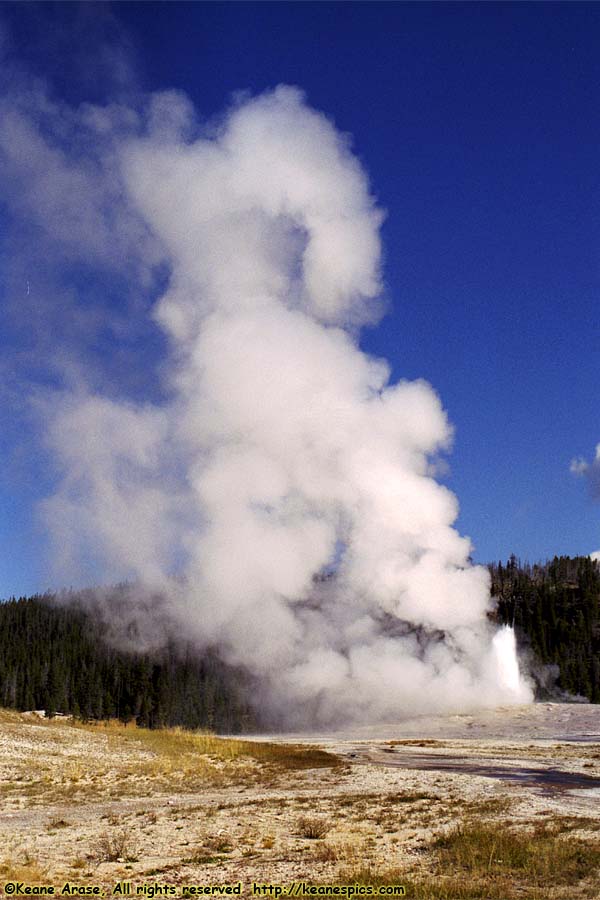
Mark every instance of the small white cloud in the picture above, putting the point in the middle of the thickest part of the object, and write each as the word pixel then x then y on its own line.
pixel 579 466
pixel 590 471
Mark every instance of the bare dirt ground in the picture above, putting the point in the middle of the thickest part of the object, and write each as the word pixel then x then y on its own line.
pixel 427 803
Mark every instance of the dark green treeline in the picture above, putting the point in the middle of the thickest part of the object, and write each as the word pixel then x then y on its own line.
pixel 56 657
pixel 555 608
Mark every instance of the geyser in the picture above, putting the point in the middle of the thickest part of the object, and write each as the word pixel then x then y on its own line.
pixel 283 451
pixel 507 664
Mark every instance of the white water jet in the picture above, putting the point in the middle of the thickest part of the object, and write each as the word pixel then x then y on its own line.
pixel 504 646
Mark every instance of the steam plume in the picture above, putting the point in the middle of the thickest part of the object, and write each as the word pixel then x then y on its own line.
pixel 282 452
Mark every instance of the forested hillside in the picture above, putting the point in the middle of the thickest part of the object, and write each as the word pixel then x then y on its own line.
pixel 57 658
pixel 555 608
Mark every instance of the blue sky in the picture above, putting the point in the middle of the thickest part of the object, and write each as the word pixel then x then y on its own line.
pixel 479 127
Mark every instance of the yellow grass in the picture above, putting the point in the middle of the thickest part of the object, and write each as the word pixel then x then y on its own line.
pixel 24 868
pixel 71 761
pixel 179 743
pixel 478 859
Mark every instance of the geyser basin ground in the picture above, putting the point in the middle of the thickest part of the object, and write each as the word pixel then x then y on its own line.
pixel 513 744
pixel 530 721
pixel 174 815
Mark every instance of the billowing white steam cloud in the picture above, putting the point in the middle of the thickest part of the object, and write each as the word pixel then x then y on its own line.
pixel 283 450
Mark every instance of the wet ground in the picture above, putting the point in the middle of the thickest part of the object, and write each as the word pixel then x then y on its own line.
pixel 547 780
pixel 541 747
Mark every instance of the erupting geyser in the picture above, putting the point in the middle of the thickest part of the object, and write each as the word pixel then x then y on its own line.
pixel 284 450
pixel 505 649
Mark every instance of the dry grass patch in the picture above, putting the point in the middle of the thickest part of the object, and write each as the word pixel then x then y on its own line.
pixel 24 868
pixel 478 860
pixel 57 822
pixel 312 828
pixel 11 717
pixel 176 745
pixel 202 858
pixel 218 843
pixel 343 851
pixel 114 846
pixel 493 806
pixel 104 760
pixel 213 848
pixel 540 855
pixel 438 889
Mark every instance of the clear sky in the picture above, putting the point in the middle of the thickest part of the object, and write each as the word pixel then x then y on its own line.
pixel 479 127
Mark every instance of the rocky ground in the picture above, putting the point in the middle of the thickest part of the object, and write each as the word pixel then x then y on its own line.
pixel 100 805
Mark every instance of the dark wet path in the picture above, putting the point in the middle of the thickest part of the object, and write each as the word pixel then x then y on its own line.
pixel 548 780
